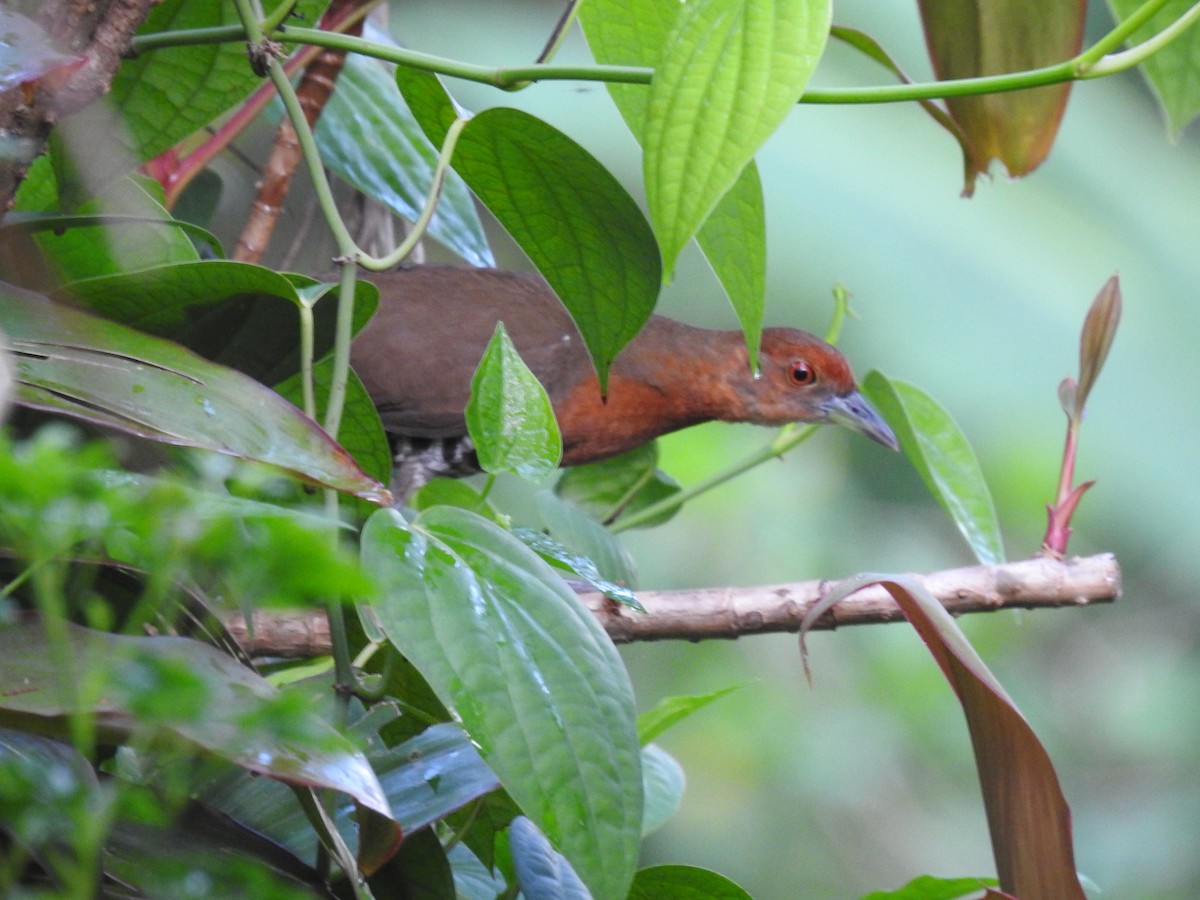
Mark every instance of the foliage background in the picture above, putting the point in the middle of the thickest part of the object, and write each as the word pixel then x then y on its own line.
pixel 866 780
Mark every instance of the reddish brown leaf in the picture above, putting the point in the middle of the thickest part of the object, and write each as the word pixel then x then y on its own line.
pixel 968 38
pixel 1027 814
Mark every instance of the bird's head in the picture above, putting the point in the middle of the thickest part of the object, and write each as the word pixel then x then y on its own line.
pixel 803 379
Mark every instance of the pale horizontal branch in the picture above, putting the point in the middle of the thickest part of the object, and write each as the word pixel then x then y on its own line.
pixel 695 615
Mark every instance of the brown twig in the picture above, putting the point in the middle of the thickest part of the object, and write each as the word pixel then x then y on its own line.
pixel 695 615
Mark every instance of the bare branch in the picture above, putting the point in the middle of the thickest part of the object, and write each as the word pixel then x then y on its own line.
pixel 733 612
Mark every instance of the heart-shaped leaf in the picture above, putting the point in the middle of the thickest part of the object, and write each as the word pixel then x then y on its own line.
pixel 529 673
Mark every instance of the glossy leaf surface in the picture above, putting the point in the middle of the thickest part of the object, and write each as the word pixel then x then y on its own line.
pixel 509 416
pixel 464 600
pixel 940 452
pixel 571 217
pixel 77 364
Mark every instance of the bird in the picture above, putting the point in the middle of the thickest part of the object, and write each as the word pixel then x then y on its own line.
pixel 418 353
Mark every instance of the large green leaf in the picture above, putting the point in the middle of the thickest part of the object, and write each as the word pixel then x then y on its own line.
pixel 734 238
pixel 509 416
pixel 1174 71
pixel 367 136
pixel 77 364
pixel 166 95
pixel 570 216
pixel 529 673
pixel 967 38
pixel 1027 815
pixel 940 452
pixel 234 313
pixel 729 74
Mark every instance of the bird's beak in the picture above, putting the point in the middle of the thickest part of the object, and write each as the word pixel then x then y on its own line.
pixel 853 411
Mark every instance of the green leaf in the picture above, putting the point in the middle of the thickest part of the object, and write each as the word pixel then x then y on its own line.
pixel 580 532
pixel 1027 815
pixel 684 883
pixel 570 216
pixel 509 417
pixel 168 94
pixel 940 452
pixel 452 492
pixel 729 74
pixel 670 711
pixel 928 887
pixel 664 782
pixel 80 365
pixel 237 314
pixel 133 230
pixel 528 672
pixel 1174 70
pixel 734 238
pixel 174 689
pixel 968 38
pixel 620 485
pixel 368 137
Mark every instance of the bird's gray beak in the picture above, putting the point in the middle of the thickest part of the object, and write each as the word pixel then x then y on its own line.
pixel 853 411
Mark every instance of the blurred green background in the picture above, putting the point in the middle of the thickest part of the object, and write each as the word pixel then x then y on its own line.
pixel 866 779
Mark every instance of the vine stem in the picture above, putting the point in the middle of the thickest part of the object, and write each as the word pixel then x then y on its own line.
pixel 1095 62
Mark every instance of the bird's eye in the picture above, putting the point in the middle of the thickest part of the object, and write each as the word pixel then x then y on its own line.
pixel 802 373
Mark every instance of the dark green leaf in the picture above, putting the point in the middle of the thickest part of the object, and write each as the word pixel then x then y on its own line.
pixel 528 671
pixel 418 871
pixel 684 883
pixel 509 416
pixel 728 76
pixel 623 484
pixel 570 216
pixel 452 492
pixel 939 451
pixel 429 776
pixel 237 314
pixel 168 94
pixel 80 365
pixel 135 230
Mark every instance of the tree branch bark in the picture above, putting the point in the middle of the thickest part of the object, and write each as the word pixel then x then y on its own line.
pixel 696 615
